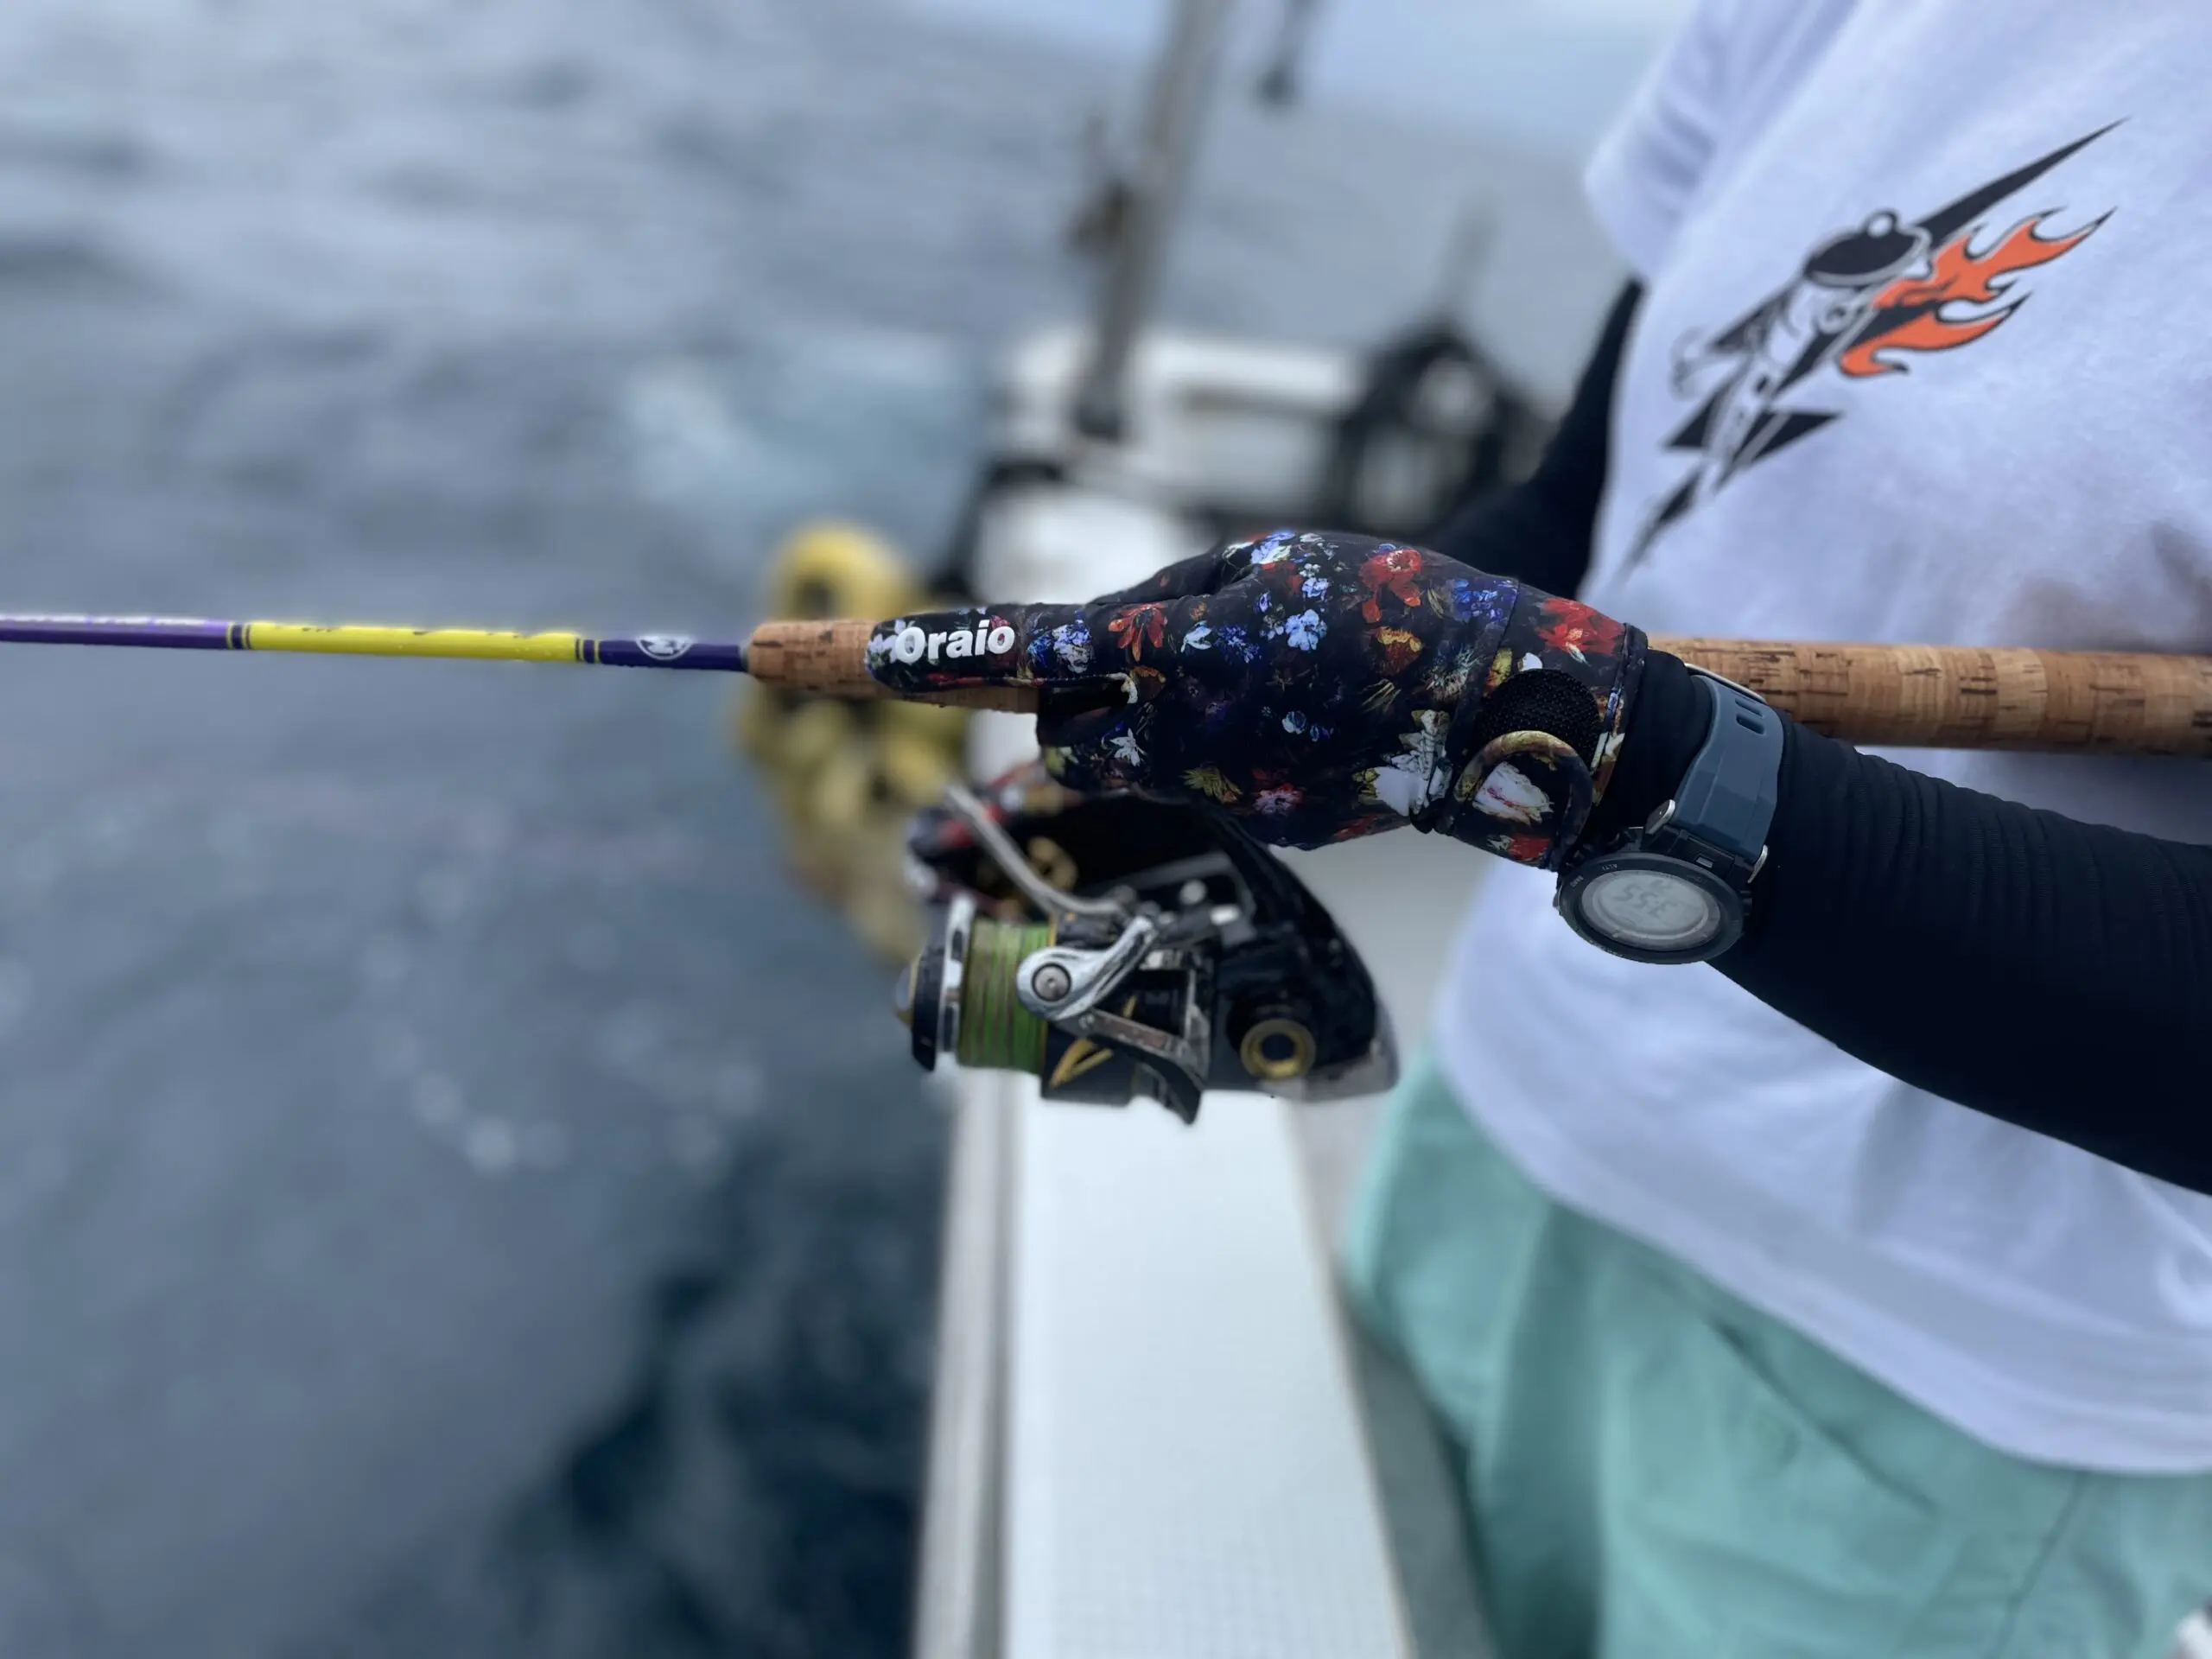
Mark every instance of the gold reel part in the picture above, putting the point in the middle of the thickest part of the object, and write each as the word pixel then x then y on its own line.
pixel 1277 1050
pixel 845 777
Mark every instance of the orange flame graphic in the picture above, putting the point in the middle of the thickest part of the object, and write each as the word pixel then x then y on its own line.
pixel 1958 276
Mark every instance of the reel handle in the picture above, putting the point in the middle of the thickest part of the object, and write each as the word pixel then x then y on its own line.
pixel 1912 696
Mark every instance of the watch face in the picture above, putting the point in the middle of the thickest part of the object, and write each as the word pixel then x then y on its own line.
pixel 1650 910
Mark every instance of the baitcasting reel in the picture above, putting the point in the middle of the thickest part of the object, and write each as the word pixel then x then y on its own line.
pixel 1113 947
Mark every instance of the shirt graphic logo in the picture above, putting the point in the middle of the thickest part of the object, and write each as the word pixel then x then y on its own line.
pixel 1858 304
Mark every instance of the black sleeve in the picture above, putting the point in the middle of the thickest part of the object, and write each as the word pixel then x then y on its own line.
pixel 1539 530
pixel 2053 974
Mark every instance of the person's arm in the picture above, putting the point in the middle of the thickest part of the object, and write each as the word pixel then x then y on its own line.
pixel 2054 973
pixel 1539 530
pixel 1319 686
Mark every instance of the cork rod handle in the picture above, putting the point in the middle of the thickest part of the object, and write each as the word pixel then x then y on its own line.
pixel 1974 696
pixel 1918 696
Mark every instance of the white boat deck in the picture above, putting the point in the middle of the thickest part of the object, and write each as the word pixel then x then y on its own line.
pixel 1196 1455
pixel 1186 1472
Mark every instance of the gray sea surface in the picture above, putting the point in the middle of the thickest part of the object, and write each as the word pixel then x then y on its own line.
pixel 456 1195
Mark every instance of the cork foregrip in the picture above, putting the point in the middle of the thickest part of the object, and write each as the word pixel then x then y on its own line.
pixel 830 658
pixel 1916 696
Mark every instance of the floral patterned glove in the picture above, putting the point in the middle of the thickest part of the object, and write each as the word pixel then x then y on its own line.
pixel 1318 686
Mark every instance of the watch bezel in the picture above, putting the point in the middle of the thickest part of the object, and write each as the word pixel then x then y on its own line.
pixel 1726 896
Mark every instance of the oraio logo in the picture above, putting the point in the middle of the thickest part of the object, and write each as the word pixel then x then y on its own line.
pixel 989 638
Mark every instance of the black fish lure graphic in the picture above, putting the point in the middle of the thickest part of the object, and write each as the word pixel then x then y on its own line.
pixel 1857 302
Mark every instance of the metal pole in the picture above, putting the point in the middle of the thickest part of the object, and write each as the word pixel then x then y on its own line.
pixel 1182 83
pixel 959 1595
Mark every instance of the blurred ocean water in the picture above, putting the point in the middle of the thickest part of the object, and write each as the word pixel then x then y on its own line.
pixel 455 1196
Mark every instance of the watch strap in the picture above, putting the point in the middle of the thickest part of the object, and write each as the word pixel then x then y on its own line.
pixel 1727 795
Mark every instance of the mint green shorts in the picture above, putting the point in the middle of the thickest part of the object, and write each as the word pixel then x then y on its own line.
pixel 1654 1470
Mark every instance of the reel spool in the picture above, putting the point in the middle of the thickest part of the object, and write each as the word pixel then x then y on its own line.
pixel 1191 960
pixel 958 996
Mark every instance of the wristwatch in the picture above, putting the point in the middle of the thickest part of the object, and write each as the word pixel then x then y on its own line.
pixel 1679 888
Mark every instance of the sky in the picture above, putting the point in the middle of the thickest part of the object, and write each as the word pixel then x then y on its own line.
pixel 1546 72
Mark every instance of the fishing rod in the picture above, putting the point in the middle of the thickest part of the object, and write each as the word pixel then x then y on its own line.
pixel 372 639
pixel 1932 696
pixel 1191 960
pixel 1166 955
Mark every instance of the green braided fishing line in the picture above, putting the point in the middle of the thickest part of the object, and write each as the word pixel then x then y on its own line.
pixel 995 1030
